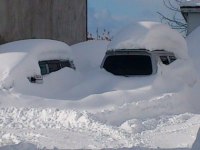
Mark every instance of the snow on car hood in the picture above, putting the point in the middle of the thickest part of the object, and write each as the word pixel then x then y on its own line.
pixel 151 36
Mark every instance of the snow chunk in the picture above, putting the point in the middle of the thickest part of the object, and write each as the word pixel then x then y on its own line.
pixel 150 36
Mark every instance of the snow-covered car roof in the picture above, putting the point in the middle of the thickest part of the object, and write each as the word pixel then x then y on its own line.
pixel 150 36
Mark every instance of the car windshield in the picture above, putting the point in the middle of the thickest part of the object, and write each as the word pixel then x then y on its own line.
pixel 127 65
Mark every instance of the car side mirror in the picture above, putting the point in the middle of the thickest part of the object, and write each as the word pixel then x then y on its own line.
pixel 36 79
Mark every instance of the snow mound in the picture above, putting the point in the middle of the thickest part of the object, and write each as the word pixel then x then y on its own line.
pixel 150 36
pixel 88 55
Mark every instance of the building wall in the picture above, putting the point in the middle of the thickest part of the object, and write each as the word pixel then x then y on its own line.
pixel 64 20
pixel 193 21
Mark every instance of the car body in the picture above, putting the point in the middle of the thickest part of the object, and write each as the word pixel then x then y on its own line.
pixel 139 48
pixel 33 59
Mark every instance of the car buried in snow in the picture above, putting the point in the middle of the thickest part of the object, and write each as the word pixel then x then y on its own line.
pixel 140 47
pixel 129 62
pixel 33 59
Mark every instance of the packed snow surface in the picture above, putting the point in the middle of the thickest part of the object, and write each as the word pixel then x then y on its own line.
pixel 150 36
pixel 89 108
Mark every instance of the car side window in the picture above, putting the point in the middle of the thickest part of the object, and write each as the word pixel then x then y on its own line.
pixel 164 60
pixel 167 59
pixel 48 66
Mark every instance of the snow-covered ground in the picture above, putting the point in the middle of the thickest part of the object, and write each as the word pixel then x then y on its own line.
pixel 90 108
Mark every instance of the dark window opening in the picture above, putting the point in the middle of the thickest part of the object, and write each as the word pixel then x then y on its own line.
pixel 167 59
pixel 164 60
pixel 49 66
pixel 65 64
pixel 54 66
pixel 127 65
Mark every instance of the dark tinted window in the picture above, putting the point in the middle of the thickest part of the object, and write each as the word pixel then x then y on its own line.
pixel 49 66
pixel 43 68
pixel 164 60
pixel 128 65
pixel 54 67
pixel 65 64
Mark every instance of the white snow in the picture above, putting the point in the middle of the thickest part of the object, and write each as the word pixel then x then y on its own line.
pixel 150 36
pixel 89 108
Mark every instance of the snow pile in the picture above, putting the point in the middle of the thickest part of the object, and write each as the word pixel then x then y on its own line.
pixel 150 36
pixel 88 55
